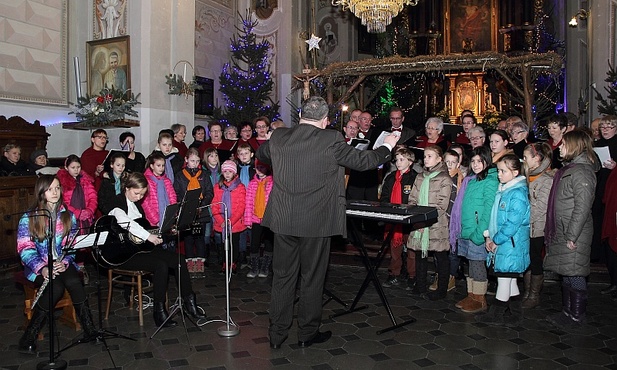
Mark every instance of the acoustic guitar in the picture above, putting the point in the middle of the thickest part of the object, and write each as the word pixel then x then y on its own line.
pixel 120 245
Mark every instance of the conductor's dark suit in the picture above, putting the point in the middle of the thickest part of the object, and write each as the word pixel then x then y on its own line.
pixel 306 207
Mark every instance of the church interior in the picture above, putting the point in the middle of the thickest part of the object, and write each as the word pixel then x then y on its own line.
pixel 496 58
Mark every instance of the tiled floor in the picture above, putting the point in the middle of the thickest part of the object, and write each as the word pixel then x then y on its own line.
pixel 441 338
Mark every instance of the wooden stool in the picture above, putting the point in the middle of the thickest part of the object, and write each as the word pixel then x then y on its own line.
pixel 69 316
pixel 136 281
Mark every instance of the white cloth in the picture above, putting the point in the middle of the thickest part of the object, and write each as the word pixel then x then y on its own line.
pixel 126 220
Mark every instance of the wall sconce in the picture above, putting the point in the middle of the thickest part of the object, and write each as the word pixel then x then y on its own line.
pixel 582 14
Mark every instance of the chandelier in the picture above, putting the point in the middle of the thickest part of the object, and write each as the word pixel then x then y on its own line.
pixel 375 14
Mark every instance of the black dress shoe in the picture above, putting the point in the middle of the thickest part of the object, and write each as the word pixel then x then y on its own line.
pixel 320 337
pixel 610 290
pixel 277 345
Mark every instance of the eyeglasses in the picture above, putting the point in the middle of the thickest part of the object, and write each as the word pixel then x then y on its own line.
pixel 396 118
pixel 101 137
pixel 246 130
pixel 431 128
pixel 516 133
pixel 476 137
pixel 607 127
pixel 261 127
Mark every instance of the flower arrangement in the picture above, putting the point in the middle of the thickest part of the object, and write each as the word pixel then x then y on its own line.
pixel 491 118
pixel 177 85
pixel 110 105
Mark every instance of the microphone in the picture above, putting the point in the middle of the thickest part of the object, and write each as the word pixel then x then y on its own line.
pixel 29 213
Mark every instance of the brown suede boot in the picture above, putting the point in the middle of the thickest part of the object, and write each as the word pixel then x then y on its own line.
pixel 479 298
pixel 534 292
pixel 466 300
pixel 527 284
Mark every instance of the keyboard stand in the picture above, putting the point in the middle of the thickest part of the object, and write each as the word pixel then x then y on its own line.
pixel 371 275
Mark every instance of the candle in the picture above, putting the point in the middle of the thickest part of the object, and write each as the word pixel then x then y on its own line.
pixel 184 74
pixel 500 102
pixel 77 78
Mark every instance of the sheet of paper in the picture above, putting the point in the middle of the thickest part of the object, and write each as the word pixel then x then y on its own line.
pixel 603 153
pixel 85 241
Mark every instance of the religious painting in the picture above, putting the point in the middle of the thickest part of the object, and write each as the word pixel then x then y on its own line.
pixel 466 93
pixel 108 64
pixel 328 30
pixel 470 26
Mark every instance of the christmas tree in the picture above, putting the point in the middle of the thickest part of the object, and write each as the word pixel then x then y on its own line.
pixel 246 82
pixel 608 105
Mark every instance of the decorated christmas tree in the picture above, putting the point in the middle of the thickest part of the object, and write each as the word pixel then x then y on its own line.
pixel 608 105
pixel 246 82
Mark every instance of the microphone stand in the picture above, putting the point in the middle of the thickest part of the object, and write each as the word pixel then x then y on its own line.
pixel 228 330
pixel 53 363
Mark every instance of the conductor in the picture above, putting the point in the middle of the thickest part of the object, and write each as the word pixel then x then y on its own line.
pixel 306 207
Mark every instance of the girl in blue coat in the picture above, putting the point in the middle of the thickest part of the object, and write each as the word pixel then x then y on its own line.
pixel 507 240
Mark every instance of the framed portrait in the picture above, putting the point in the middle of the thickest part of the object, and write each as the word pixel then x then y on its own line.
pixel 470 26
pixel 108 64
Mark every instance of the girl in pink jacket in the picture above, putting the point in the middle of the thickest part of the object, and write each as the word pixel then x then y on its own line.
pixel 232 193
pixel 161 191
pixel 257 195
pixel 78 192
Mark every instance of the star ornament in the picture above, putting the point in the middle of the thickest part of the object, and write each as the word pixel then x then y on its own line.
pixel 313 42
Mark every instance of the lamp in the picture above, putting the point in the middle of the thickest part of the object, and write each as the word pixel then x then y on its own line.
pixel 375 14
pixel 582 14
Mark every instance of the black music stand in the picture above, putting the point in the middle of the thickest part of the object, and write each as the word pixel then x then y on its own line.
pixel 372 276
pixel 184 219
pixel 103 334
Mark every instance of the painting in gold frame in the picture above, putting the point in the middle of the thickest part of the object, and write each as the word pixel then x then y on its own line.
pixel 470 26
pixel 108 63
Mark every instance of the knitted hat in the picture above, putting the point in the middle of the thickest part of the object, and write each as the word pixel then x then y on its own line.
pixel 37 153
pixel 229 165
pixel 262 164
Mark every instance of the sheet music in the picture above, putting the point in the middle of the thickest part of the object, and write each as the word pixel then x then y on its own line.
pixel 86 241
pixel 603 153
pixel 361 144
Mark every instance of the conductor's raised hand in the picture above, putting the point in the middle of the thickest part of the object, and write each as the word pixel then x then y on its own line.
pixel 392 139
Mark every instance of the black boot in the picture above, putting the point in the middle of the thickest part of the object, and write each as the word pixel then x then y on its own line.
pixel 578 305
pixel 27 343
pixel 515 304
pixel 443 277
pixel 563 319
pixel 495 313
pixel 85 318
pixel 190 307
pixel 160 315
pixel 421 270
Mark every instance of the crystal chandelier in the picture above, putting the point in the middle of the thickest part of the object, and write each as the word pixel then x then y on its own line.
pixel 375 14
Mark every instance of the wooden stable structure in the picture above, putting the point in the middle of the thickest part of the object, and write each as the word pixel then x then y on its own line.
pixel 459 68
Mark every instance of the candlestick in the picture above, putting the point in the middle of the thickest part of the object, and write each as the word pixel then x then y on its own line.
pixel 77 77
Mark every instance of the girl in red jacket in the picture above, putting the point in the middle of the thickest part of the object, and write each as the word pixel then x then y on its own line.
pixel 160 189
pixel 78 192
pixel 232 193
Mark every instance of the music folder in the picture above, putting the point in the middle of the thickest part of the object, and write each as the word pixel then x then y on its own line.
pixel 169 219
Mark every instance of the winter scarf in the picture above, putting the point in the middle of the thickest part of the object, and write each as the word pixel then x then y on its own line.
pixel 423 201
